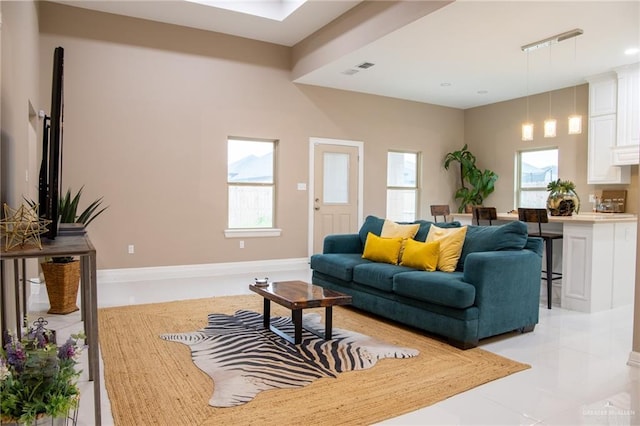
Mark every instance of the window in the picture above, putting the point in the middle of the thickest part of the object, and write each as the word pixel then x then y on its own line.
pixel 402 186
pixel 535 170
pixel 251 183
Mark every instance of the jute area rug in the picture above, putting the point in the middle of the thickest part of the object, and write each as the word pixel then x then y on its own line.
pixel 151 381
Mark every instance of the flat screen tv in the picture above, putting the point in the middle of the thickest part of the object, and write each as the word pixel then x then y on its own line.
pixel 49 181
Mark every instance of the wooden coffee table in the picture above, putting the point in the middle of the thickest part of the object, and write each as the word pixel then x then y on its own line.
pixel 298 295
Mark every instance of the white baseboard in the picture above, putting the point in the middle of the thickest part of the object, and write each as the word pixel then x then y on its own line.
pixel 634 359
pixel 106 276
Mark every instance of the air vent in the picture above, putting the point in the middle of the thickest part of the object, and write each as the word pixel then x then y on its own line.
pixel 366 65
pixel 350 72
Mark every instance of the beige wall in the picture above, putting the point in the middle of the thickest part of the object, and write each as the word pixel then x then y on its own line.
pixel 148 108
pixel 493 133
pixel 19 76
pixel 18 94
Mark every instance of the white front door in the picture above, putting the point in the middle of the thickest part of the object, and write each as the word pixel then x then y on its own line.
pixel 336 189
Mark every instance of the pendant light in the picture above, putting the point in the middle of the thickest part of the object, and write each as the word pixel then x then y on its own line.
pixel 527 126
pixel 575 120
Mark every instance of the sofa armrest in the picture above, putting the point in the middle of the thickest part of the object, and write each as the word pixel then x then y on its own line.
pixel 342 243
pixel 507 289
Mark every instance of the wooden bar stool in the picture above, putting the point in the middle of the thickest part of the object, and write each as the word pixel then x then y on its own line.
pixel 440 210
pixel 484 213
pixel 539 216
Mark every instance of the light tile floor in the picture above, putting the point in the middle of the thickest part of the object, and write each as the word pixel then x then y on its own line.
pixel 579 374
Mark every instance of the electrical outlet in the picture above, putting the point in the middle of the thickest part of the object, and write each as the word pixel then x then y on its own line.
pixel 131 249
pixel 592 198
pixel 241 243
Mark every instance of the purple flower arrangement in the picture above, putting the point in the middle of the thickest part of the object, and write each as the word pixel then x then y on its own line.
pixel 38 378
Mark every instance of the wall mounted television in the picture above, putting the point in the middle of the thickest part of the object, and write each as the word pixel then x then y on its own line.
pixel 49 181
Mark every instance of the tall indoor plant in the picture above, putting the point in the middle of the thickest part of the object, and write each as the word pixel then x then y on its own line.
pixel 476 184
pixel 62 274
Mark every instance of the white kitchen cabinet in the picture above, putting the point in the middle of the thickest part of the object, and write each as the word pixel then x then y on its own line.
pixel 627 149
pixel 603 150
pixel 598 265
pixel 603 94
pixel 602 140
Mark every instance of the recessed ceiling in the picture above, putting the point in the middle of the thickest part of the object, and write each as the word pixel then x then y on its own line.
pixel 239 18
pixel 270 9
pixel 465 54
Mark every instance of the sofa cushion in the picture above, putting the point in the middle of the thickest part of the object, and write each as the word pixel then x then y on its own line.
pixel 451 241
pixel 425 225
pixel 423 256
pixel 338 265
pixel 442 288
pixel 374 225
pixel 510 236
pixel 371 224
pixel 379 249
pixel 377 275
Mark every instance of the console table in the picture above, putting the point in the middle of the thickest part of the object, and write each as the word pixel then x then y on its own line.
pixel 72 245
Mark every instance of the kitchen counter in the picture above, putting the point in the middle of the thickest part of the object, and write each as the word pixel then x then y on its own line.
pixel 465 218
pixel 597 258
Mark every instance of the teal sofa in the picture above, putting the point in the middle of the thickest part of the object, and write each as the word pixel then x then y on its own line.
pixel 495 288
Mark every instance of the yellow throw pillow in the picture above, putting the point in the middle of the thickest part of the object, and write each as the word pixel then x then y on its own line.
pixel 380 249
pixel 421 255
pixel 390 229
pixel 451 242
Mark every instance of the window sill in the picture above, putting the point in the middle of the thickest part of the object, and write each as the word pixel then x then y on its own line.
pixel 254 232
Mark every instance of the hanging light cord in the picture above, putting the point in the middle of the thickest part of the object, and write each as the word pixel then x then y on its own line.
pixel 575 61
pixel 550 80
pixel 527 86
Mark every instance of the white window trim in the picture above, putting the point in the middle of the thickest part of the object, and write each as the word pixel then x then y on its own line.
pixel 518 178
pixel 252 232
pixel 255 232
pixel 415 188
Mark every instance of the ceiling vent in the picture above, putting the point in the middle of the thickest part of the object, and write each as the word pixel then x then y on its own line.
pixel 366 65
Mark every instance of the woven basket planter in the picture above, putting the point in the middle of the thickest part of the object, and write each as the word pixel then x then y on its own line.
pixel 62 281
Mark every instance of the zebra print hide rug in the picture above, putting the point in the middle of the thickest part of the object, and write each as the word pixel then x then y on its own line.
pixel 243 358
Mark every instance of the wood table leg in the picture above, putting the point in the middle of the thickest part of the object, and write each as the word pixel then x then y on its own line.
pixel 266 312
pixel 296 316
pixel 328 323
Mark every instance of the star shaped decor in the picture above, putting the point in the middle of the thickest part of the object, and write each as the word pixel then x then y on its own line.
pixel 22 227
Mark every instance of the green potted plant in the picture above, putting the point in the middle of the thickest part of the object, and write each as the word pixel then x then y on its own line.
pixel 38 379
pixel 476 184
pixel 62 274
pixel 563 199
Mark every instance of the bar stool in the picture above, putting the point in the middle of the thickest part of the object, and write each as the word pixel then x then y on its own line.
pixel 484 213
pixel 440 210
pixel 539 216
